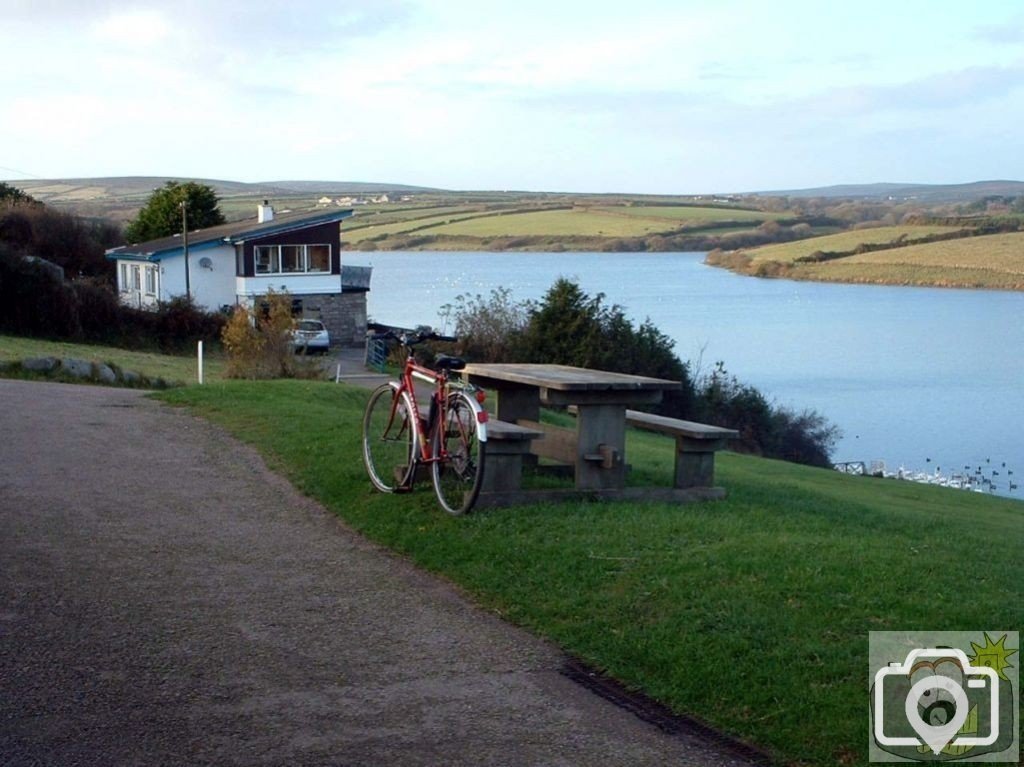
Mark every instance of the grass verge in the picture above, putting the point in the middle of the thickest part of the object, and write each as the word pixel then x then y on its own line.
pixel 751 614
pixel 150 364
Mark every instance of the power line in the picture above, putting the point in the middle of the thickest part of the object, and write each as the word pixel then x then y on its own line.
pixel 20 172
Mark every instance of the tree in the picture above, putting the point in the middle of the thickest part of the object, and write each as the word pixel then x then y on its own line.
pixel 12 195
pixel 161 215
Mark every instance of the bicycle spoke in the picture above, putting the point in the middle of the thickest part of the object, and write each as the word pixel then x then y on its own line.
pixel 389 440
pixel 459 458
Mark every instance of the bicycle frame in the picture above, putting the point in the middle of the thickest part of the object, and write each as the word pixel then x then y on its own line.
pixel 425 427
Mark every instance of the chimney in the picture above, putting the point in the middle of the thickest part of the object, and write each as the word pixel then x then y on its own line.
pixel 264 212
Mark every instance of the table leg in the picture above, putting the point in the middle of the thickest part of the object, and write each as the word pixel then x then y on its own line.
pixel 601 447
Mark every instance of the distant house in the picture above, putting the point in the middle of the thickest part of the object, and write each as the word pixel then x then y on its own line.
pixel 237 263
pixel 324 201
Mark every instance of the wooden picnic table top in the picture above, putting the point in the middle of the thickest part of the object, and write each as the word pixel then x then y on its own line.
pixel 567 378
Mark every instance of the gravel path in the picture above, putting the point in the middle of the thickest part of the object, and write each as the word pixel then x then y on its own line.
pixel 165 599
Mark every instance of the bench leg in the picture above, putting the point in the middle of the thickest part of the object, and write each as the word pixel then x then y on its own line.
pixel 695 462
pixel 503 470
pixel 695 470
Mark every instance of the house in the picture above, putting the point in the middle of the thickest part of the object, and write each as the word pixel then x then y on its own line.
pixel 236 263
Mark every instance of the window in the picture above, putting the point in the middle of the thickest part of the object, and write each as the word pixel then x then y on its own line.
pixel 125 284
pixel 319 258
pixel 151 280
pixel 136 277
pixel 268 259
pixel 292 259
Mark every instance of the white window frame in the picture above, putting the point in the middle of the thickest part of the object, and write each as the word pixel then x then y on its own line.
pixel 125 284
pixel 150 278
pixel 275 256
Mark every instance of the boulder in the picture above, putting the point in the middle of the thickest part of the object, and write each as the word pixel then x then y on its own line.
pixel 40 364
pixel 105 374
pixel 76 368
pixel 130 377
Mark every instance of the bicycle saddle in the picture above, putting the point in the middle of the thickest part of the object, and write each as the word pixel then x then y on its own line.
pixel 444 362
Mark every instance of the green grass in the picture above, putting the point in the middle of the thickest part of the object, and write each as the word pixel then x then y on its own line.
pixel 752 613
pixel 694 214
pixel 180 369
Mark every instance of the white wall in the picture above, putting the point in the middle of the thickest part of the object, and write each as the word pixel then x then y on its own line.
pixel 296 284
pixel 211 288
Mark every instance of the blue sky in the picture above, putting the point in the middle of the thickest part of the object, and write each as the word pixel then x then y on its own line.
pixel 660 97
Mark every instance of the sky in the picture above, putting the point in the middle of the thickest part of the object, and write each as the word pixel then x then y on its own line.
pixel 675 97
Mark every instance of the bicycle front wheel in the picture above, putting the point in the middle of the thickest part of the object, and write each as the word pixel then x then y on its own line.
pixel 458 466
pixel 389 439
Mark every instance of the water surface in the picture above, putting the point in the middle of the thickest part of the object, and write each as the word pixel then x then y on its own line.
pixel 920 377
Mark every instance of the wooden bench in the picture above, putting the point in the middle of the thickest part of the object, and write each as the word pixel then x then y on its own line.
pixel 507 443
pixel 696 444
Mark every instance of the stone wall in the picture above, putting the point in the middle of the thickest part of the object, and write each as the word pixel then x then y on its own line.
pixel 344 315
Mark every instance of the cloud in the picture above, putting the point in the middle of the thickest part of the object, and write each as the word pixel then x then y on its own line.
pixel 1009 32
pixel 137 29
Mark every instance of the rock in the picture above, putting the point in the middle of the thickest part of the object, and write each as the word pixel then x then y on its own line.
pixel 40 364
pixel 130 377
pixel 4 365
pixel 106 374
pixel 76 368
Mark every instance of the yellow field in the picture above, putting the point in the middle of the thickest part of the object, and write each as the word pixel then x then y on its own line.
pixel 994 261
pixel 843 241
pixel 1002 252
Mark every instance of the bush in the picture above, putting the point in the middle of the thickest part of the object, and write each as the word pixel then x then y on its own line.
pixel 34 300
pixel 488 328
pixel 259 345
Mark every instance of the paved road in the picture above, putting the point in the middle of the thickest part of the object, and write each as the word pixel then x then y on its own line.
pixel 165 599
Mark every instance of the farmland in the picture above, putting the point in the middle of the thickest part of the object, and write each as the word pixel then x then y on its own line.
pixel 891 256
pixel 555 224
pixel 843 242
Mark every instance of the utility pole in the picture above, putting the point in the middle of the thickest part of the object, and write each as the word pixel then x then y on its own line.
pixel 184 242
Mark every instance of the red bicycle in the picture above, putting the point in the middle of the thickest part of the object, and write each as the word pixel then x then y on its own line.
pixel 398 439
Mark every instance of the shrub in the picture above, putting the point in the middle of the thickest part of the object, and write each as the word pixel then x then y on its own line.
pixel 34 300
pixel 488 328
pixel 259 345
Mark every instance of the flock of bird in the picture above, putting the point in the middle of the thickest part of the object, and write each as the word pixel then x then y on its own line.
pixel 981 478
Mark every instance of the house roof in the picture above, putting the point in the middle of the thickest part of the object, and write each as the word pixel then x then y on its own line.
pixel 226 234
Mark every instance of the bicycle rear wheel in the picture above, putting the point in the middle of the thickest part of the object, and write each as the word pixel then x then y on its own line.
pixel 389 439
pixel 458 467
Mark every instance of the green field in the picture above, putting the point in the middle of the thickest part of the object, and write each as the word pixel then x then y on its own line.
pixel 694 214
pixel 183 369
pixel 472 226
pixel 842 242
pixel 751 613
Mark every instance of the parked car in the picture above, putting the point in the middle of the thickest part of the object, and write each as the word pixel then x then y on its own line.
pixel 310 336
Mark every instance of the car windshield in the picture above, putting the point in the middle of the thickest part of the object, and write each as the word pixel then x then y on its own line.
pixel 311 325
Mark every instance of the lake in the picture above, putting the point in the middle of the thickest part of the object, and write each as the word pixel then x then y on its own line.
pixel 917 377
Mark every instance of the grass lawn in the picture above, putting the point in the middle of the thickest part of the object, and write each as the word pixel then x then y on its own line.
pixel 842 242
pixel 171 368
pixel 751 613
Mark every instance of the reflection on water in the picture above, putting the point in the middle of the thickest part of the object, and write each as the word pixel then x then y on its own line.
pixel 918 377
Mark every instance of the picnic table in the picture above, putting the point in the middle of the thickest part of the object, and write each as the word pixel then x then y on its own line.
pixel 596 448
